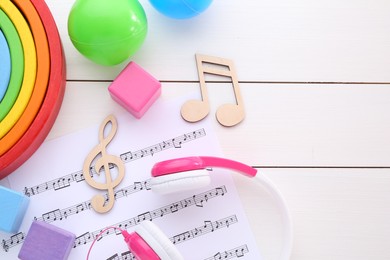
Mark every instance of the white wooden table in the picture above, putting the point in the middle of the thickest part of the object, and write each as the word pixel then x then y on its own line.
pixel 315 80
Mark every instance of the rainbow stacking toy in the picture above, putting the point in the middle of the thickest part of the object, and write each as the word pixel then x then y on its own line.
pixel 36 82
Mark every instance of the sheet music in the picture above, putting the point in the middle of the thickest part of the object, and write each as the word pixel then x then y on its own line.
pixel 207 223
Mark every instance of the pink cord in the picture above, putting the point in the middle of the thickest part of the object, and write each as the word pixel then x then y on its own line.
pixel 97 237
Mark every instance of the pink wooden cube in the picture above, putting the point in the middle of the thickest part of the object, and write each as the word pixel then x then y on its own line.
pixel 135 89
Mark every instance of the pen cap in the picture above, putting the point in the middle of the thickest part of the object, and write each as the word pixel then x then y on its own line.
pixel 139 247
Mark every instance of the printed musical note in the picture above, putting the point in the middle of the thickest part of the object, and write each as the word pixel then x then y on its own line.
pixel 128 256
pixel 52 216
pixel 124 256
pixel 114 257
pixel 99 203
pixel 227 114
pixel 182 237
pixel 208 227
pixel 143 217
pixel 62 183
pixel 83 239
pixel 229 254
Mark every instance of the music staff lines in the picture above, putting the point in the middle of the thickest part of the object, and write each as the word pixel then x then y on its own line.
pixel 67 180
pixel 123 256
pixel 229 254
pixel 13 241
pixel 208 227
pixel 61 214
pixel 168 144
pixel 196 200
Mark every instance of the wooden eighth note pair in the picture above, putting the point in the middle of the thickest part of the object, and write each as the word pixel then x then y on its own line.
pixel 227 114
pixel 105 162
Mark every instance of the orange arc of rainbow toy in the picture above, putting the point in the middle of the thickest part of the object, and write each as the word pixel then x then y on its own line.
pixel 42 79
pixel 48 112
pixel 30 66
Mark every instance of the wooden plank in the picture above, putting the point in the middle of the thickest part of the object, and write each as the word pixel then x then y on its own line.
pixel 285 125
pixel 299 40
pixel 337 213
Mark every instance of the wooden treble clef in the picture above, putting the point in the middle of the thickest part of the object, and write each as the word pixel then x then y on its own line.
pixel 98 202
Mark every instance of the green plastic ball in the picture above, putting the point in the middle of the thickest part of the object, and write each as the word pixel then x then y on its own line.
pixel 107 31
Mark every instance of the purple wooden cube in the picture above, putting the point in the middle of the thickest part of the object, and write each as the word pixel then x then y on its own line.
pixel 46 242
